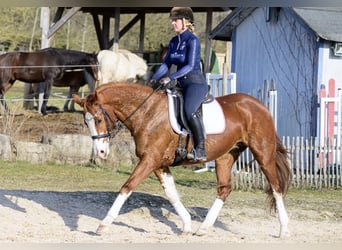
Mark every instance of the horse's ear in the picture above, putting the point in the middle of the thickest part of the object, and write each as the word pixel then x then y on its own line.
pixel 78 100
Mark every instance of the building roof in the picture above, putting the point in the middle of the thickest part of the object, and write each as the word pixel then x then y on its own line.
pixel 325 22
pixel 223 31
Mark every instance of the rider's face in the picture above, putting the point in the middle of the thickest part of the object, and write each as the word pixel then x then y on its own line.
pixel 177 25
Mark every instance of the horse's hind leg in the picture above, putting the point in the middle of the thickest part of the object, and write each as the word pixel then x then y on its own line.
pixel 276 198
pixel 67 101
pixel 223 167
pixel 166 179
pixel 282 215
pixel 4 104
pixel 274 164
pixel 2 100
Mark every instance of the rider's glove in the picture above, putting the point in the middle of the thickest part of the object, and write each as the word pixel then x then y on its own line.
pixel 153 84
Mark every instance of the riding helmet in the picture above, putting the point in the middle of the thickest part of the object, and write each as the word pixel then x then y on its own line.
pixel 182 12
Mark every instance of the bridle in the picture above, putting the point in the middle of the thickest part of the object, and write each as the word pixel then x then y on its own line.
pixel 107 118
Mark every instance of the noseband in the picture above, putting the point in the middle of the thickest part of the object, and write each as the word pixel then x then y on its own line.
pixel 106 118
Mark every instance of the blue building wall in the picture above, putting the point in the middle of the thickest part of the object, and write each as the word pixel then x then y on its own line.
pixel 283 50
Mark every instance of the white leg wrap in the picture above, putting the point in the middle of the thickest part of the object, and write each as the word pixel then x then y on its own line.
pixel 172 194
pixel 211 216
pixel 184 215
pixel 40 101
pixel 170 188
pixel 282 215
pixel 115 209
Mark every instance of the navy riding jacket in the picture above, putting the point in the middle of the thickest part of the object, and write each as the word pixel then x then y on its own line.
pixel 185 52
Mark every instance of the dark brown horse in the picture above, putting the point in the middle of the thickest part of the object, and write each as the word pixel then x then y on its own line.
pixel 43 66
pixel 144 112
pixel 74 79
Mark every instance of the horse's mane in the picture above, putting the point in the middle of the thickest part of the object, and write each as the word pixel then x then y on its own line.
pixel 125 86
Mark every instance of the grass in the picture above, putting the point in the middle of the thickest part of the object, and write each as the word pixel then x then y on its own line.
pixel 195 189
pixel 56 177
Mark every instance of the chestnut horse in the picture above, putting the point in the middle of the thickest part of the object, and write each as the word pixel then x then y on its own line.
pixel 144 112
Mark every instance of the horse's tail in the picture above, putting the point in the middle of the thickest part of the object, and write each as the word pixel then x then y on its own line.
pixel 284 173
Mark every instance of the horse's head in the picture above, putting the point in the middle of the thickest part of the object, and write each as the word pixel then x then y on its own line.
pixel 99 121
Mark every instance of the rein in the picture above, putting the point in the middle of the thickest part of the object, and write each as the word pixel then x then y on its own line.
pixel 118 125
pixel 140 105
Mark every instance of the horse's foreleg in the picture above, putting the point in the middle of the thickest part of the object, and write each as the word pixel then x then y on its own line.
pixel 223 175
pixel 166 179
pixel 41 96
pixel 113 211
pixel 140 173
pixel 44 93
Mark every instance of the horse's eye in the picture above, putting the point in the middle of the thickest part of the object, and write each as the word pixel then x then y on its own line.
pixel 98 121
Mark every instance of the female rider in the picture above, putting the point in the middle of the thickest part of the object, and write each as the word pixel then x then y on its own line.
pixel 184 51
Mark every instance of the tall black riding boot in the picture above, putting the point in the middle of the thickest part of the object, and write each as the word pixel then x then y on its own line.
pixel 195 125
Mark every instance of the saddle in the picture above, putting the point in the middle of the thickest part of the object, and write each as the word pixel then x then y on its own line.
pixel 212 118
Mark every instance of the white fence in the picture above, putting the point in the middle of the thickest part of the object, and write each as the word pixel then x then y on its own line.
pixel 220 85
pixel 311 166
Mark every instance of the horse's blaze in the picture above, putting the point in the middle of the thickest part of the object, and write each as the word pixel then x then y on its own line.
pixel 101 148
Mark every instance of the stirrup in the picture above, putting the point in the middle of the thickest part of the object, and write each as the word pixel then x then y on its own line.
pixel 193 157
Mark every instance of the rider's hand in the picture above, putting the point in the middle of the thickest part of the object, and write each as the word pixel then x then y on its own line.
pixel 152 83
pixel 164 81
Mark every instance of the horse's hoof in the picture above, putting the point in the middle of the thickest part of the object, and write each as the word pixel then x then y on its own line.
pixel 101 228
pixel 284 232
pixel 185 233
pixel 201 232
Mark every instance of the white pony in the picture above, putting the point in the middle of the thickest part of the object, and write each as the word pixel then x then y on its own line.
pixel 120 66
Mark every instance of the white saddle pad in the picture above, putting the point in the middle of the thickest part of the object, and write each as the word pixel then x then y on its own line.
pixel 213 117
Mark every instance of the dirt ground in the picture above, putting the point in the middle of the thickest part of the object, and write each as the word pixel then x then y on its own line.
pixel 55 217
pixel 72 217
pixel 31 126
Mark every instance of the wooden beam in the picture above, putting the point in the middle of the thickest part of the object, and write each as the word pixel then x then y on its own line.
pixel 207 40
pixel 142 33
pixel 105 31
pixel 127 27
pixel 116 29
pixel 58 14
pixel 98 30
pixel 44 24
pixel 63 20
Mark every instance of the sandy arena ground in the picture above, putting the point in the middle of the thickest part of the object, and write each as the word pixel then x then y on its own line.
pixel 53 217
